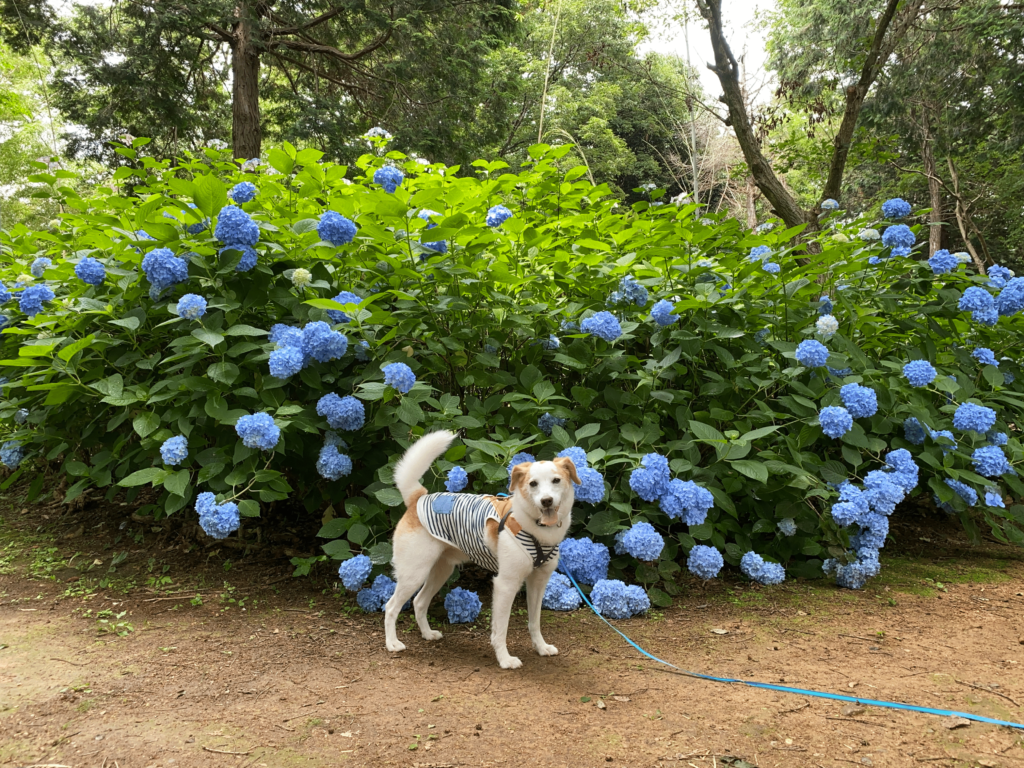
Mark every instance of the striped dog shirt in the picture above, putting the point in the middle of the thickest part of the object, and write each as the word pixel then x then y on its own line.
pixel 460 519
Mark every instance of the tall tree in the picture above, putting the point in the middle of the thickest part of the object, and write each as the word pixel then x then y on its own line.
pixel 858 57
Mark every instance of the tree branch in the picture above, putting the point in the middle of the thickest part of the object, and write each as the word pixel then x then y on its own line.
pixel 222 33
pixel 330 50
pixel 315 21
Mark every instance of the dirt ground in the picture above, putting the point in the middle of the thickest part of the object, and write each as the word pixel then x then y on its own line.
pixel 179 659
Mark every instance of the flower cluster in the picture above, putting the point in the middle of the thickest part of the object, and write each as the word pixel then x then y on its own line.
pixel 704 562
pixel 759 253
pixel 861 402
pixel 641 541
pixel 990 461
pixel 895 208
pixel 11 454
pixel 373 598
pixel 498 215
pixel 898 236
pixel 174 450
pixel 345 297
pixel 942 261
pixel 389 177
pixel 758 569
pixel 258 431
pixel 856 574
pixel 462 605
pixel 602 324
pixel 591 486
pixel 835 421
pixel 827 325
pixel 301 277
pixel 830 205
pixel 1011 298
pixel 560 594
pixel 163 270
pixel 335 229
pixel 332 464
pixel 217 520
pixel 354 572
pixel 685 500
pixel 345 413
pixel 629 292
pixel 399 376
pixel 650 480
pixel 585 559
pixel 919 373
pixel 771 267
pixel 913 432
pixel 614 600
pixel 661 313
pixel 235 227
pixel 520 458
pixel 243 192
pixel 32 299
pixel 547 422
pixel 40 265
pixel 295 347
pixel 811 353
pixel 969 416
pixel 191 306
pixel 999 276
pixel 90 271
pixel 457 480
pixel 985 356
pixel 787 526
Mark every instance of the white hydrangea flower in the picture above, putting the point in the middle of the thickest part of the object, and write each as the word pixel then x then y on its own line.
pixel 301 277
pixel 963 257
pixel 827 325
pixel 869 234
pixel 840 237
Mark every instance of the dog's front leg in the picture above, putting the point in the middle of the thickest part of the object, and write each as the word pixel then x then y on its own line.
pixel 505 590
pixel 536 584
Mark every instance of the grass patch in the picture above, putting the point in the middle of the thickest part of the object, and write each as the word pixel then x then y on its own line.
pixel 918 576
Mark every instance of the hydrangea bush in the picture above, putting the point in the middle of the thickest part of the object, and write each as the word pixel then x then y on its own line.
pixel 202 330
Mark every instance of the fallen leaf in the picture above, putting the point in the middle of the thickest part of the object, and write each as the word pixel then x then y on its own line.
pixel 717 631
pixel 853 709
pixel 621 698
pixel 601 704
pixel 955 722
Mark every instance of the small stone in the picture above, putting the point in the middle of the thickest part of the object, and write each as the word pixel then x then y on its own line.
pixel 479 727
pixel 601 704
pixel 955 722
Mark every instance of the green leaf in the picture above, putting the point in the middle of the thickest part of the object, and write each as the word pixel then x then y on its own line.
pixel 75 468
pixel 154 475
pixel 705 432
pixel 177 483
pixel 339 549
pixel 659 598
pixel 244 330
pixel 752 469
pixel 131 323
pixel 74 348
pixel 357 533
pixel 146 423
pixel 211 195
pixel 280 161
pixel 604 523
pixel 758 433
pixel 587 430
pixel 409 412
pixel 249 508
pixel 390 496
pixel 225 373
pixel 380 554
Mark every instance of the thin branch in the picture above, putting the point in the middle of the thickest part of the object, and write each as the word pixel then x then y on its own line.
pixel 330 50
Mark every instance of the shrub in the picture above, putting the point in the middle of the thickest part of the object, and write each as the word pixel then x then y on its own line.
pixel 530 335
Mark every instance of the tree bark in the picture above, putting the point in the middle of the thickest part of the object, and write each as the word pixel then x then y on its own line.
pixel 727 70
pixel 934 189
pixel 246 130
pixel 751 198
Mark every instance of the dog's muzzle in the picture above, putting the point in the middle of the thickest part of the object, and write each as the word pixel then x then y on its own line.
pixel 549 520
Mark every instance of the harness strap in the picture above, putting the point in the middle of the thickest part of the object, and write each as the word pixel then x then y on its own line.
pixel 540 556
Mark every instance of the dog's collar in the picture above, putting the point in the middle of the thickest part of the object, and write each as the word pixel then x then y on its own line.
pixel 530 542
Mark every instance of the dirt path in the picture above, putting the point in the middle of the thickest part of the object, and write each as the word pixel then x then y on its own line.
pixel 290 674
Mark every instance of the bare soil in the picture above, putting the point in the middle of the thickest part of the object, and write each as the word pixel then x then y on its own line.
pixel 237 664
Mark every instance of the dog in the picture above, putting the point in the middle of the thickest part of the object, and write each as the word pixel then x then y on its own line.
pixel 516 538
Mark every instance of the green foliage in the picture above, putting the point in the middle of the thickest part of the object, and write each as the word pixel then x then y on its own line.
pixel 108 373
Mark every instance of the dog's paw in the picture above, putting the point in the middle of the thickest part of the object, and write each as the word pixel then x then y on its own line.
pixel 395 646
pixel 546 650
pixel 433 634
pixel 510 662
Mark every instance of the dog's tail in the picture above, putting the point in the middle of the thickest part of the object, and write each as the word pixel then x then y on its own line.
pixel 417 460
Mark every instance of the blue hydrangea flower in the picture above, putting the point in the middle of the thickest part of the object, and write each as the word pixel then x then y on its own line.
pixel 163 269
pixel 591 487
pixel 335 229
pixel 258 430
pixel 248 258
pixel 787 526
pixel 895 208
pixel 976 298
pixel 629 292
pixel 462 605
pixel 943 433
pixel 704 562
pixel 943 261
pixel 497 215
pixel 913 432
pixel 839 373
pixel 174 450
pixel 771 267
pixel 354 572
pixel 977 417
pixel 650 480
pixel 373 598
pixel 388 177
pixel 551 343
pixel 399 376
pixel 614 600
pixel 661 313
pixel 345 413
pixel 11 454
pixel 1011 298
pixel 761 335
pixel 641 541
pixel 560 594
pixel 191 306
pixel 963 490
pixel 90 271
pixel 21 416
pixel 874 260
pixel 990 461
pixel 835 421
pixel 577 455
pixel 861 402
pixel 568 326
pixel 333 438
pixel 363 351
pixel 999 276
pixel 322 343
pixel 547 422
pixel 984 356
pixel 987 317
pixel 236 227
pixel 757 569
pixel 830 205
pixel 811 353
pixel 39 266
pixel 345 297
pixel 217 520
pixel 827 325
pixel 602 324
pixel 993 498
pixel 856 574
pixel 457 480
pixel 332 464
pixel 637 600
pixel 759 253
pixel 5 295
pixel 31 300
pixel 825 306
pixel 900 251
pixel 242 192
pixel 438 246
pixel 685 500
pixel 586 560
pixel 898 236
pixel 520 458
pixel 997 438
pixel 286 362
pixel 920 373
pixel 1008 378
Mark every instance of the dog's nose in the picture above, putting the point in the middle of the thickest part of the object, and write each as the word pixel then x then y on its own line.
pixel 546 502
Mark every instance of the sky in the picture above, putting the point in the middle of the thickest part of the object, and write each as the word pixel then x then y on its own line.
pixel 742 31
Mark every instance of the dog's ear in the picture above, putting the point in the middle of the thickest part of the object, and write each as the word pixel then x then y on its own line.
pixel 566 464
pixel 519 474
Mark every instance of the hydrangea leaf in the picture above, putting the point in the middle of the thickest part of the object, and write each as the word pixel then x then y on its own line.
pixel 146 423
pixel 205 335
pixel 249 508
pixel 339 549
pixel 154 475
pixel 225 373
pixel 210 196
pixel 177 482
pixel 380 554
pixel 752 469
pixel 390 496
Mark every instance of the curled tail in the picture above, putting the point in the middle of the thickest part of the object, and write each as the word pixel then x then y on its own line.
pixel 417 460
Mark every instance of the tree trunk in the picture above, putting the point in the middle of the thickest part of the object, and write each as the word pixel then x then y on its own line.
pixel 751 198
pixel 246 131
pixel 934 190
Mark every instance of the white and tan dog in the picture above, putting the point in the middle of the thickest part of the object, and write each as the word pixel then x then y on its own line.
pixel 516 538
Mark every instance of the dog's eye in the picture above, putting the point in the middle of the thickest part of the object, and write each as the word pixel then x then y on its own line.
pixel 557 480
pixel 533 483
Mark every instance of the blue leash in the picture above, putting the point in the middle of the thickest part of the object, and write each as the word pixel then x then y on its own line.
pixel 801 691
